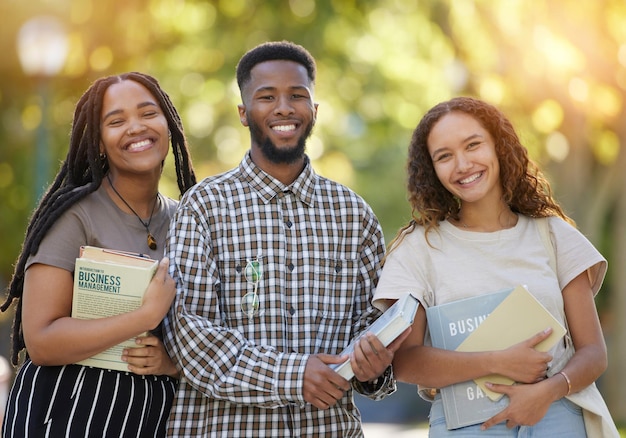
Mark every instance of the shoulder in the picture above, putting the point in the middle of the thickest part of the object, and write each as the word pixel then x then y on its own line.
pixel 94 203
pixel 220 179
pixel 333 191
pixel 558 223
pixel 169 205
pixel 575 253
pixel 59 246
pixel 562 231
pixel 212 185
pixel 412 244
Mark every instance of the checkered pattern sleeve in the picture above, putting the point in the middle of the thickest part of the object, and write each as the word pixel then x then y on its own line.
pixel 371 254
pixel 215 360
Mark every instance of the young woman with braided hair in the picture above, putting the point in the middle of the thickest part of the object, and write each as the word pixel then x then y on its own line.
pixel 106 194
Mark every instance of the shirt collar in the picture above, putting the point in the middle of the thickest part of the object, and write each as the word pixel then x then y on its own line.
pixel 268 187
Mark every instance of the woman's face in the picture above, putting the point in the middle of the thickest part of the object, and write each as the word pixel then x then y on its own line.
pixel 464 158
pixel 133 129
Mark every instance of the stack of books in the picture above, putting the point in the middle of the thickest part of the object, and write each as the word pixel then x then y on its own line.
pixel 107 283
pixel 489 322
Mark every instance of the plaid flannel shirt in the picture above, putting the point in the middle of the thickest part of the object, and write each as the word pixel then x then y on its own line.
pixel 319 248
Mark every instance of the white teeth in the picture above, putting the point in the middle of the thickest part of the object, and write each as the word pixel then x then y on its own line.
pixel 471 178
pixel 140 144
pixel 284 128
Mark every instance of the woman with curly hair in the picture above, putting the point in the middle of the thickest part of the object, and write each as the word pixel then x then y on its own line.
pixel 106 194
pixel 478 204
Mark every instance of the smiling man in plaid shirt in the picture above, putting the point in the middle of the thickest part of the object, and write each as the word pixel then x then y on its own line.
pixel 275 268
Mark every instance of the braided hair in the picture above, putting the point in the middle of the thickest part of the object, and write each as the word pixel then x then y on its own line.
pixel 81 174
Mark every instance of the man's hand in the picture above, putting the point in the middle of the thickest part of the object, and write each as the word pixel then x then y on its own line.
pixel 323 386
pixel 370 358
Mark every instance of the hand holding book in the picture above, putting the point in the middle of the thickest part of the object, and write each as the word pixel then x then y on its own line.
pixel 158 295
pixel 149 357
pixel 518 318
pixel 524 362
pixel 370 357
pixel 387 327
pixel 108 283
pixel 489 322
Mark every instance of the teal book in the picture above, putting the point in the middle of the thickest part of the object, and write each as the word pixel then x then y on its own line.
pixel 487 322
pixel 449 325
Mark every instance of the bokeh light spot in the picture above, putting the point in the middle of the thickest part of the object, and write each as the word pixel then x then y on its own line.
pixel 492 90
pixel 578 89
pixel 101 58
pixel 607 101
pixel 548 116
pixel 338 165
pixel 557 146
pixel 6 175
pixel 606 148
pixel 31 117
pixel 302 8
pixel 199 119
pixel 314 147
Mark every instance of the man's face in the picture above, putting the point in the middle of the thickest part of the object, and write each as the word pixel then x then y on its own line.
pixel 279 110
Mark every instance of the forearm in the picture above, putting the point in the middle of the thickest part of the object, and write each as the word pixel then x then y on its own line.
pixel 585 367
pixel 436 368
pixel 68 340
pixel 221 364
pixel 590 358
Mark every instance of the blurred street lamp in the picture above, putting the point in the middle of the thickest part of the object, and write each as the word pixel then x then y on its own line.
pixel 42 48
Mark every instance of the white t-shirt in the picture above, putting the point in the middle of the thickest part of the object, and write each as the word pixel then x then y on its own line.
pixel 461 264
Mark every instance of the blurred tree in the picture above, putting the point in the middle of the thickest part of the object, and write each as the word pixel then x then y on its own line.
pixel 556 67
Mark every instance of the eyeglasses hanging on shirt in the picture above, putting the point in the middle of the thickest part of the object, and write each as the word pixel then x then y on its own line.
pixel 250 301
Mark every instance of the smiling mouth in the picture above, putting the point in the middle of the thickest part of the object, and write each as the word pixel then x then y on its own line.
pixel 139 144
pixel 284 128
pixel 471 179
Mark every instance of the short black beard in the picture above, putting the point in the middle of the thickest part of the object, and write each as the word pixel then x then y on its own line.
pixel 277 155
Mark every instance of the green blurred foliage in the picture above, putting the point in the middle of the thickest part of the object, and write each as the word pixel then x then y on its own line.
pixel 382 64
pixel 557 68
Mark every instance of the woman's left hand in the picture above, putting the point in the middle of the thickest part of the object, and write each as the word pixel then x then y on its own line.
pixel 149 358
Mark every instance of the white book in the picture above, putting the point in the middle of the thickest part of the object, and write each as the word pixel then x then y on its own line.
pixel 387 328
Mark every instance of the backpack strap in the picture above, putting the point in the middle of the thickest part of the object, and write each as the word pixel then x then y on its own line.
pixel 544 232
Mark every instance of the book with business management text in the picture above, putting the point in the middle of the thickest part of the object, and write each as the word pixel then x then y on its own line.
pixel 108 283
pixel 488 322
pixel 395 320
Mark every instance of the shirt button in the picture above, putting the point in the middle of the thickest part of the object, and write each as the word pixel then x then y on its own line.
pixel 288 223
pixel 290 266
pixel 292 311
